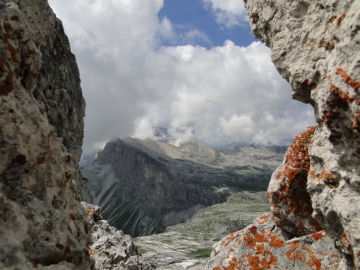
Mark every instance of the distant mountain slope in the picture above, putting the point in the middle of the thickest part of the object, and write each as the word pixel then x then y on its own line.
pixel 143 186
pixel 189 244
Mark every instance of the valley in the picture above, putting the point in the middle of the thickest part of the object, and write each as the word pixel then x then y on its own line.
pixel 188 245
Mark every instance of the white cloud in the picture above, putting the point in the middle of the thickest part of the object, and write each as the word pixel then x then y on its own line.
pixel 131 83
pixel 228 12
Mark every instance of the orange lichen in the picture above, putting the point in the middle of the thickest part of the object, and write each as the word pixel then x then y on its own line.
pixel 297 162
pixel 253 230
pixel 251 240
pixel 346 78
pixel 345 99
pixel 235 264
pixel 90 252
pixel 291 198
pixel 275 241
pixel 279 175
pixel 340 19
pixel 90 212
pixel 356 124
pixel 314 261
pixel 324 175
pixel 231 237
pixel 328 179
pixel 266 261
pixel 307 257
pixel 262 219
pixel 216 268
pixel 329 116
pixel 317 235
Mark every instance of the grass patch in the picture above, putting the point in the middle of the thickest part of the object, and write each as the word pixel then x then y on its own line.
pixel 202 253
pixel 142 250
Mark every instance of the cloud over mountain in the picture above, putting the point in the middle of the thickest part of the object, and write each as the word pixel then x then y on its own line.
pixel 132 83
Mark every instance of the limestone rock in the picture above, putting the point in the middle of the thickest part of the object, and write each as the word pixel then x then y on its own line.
pixel 111 248
pixel 58 89
pixel 42 223
pixel 316 47
pixel 259 246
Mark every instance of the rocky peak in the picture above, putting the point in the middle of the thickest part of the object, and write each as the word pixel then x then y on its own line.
pixel 162 135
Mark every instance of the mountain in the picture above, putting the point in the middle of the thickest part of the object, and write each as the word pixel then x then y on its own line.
pixel 162 135
pixel 143 186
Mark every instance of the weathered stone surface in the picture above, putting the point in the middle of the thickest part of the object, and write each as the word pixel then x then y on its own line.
pixel 259 246
pixel 289 199
pixel 58 89
pixel 42 223
pixel 316 47
pixel 111 248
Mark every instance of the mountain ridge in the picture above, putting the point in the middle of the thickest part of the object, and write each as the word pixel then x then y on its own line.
pixel 178 180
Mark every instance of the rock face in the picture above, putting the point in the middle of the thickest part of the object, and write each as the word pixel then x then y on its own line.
pixel 258 246
pixel 144 186
pixel 111 248
pixel 42 224
pixel 315 46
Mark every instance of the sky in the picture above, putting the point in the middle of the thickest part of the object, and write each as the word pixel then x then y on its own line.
pixel 191 66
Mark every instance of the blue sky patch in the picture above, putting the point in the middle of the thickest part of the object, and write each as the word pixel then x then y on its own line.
pixel 195 24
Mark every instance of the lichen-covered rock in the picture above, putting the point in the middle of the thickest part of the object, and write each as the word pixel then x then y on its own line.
pixel 316 47
pixel 111 248
pixel 259 246
pixel 42 223
pixel 289 199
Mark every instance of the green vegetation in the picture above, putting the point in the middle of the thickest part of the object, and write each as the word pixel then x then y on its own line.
pixel 142 250
pixel 202 253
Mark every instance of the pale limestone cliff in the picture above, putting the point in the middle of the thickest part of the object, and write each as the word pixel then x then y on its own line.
pixel 316 47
